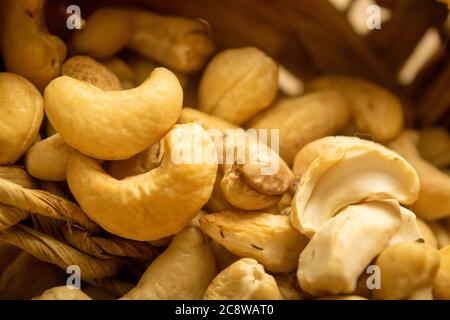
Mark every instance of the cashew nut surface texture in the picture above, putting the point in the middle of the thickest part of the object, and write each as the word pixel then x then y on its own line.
pixel 113 125
pixel 207 121
pixel 409 230
pixel 243 280
pixel 151 205
pixel 427 234
pixel 269 239
pixel 344 246
pixel 63 293
pixel 28 49
pixel 179 43
pixel 182 272
pixel 376 111
pixel 350 170
pixel 237 84
pixel 21 114
pixel 304 119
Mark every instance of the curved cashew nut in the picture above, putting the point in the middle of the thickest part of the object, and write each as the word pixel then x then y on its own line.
pixel 434 146
pixel 113 125
pixel 441 283
pixel 141 207
pixel 237 84
pixel 28 49
pixel 335 257
pixel 434 196
pixel 351 171
pixel 269 239
pixel 63 293
pixel 21 114
pixel 179 43
pixel 376 111
pixel 243 280
pixel 404 268
pixel 182 272
pixel 304 119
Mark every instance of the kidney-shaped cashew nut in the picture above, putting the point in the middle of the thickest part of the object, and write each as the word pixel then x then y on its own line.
pixel 155 204
pixel 113 125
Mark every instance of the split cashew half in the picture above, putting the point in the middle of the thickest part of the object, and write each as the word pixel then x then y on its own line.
pixel 350 170
pixel 179 43
pixel 113 125
pixel 151 205
pixel 344 246
pixel 28 49
pixel 376 111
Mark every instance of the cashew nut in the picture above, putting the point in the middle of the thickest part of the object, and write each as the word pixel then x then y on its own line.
pixel 269 239
pixel 205 120
pixel 304 119
pixel 410 229
pixel 376 111
pixel 441 283
pixel 113 125
pixel 350 170
pixel 28 49
pixel 243 280
pixel 183 271
pixel 179 43
pixel 121 70
pixel 141 207
pixel 344 245
pixel 21 114
pixel 434 196
pixel 405 267
pixel 434 146
pixel 63 293
pixel 237 84
pixel 428 235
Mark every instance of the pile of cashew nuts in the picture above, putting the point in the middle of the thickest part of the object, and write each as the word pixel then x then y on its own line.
pixel 358 207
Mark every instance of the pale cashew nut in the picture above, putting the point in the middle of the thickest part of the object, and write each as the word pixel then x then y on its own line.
pixel 28 49
pixel 376 111
pixel 349 171
pixel 434 146
pixel 180 43
pixel 142 207
pixel 182 272
pixel 434 196
pixel 237 84
pixel 336 256
pixel 409 230
pixel 113 125
pixel 63 293
pixel 441 283
pixel 405 267
pixel 269 239
pixel 243 280
pixel 21 114
pixel 304 119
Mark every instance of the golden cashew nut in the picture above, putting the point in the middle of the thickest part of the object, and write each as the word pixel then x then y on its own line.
pixel 179 43
pixel 376 111
pixel 269 239
pixel 404 268
pixel 113 125
pixel 434 196
pixel 21 114
pixel 336 256
pixel 441 283
pixel 237 84
pixel 428 234
pixel 434 146
pixel 182 272
pixel 243 280
pixel 141 207
pixel 63 293
pixel 304 119
pixel 28 49
pixel 350 170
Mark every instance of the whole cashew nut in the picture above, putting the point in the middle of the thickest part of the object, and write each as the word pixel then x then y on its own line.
pixel 113 125
pixel 141 207
pixel 21 114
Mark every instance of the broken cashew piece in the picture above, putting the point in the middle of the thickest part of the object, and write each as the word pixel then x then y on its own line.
pixel 113 125
pixel 335 257
pixel 269 239
pixel 182 272
pixel 350 171
pixel 139 207
pixel 28 49
pixel 179 43
pixel 63 293
pixel 237 84
pixel 376 111
pixel 304 119
pixel 21 114
pixel 404 268
pixel 243 280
